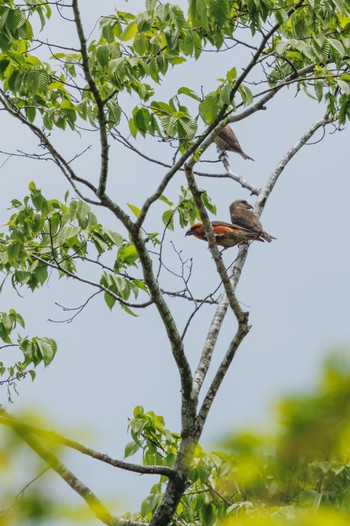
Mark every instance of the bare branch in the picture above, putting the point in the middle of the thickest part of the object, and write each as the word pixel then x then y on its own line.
pixel 266 191
pixel 77 310
pixel 53 437
pixel 243 182
pixel 99 103
pixel 220 374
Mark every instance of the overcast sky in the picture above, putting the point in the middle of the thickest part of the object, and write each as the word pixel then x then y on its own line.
pixel 296 288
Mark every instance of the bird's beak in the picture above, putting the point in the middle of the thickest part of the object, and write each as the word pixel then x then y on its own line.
pixel 189 233
pixel 250 206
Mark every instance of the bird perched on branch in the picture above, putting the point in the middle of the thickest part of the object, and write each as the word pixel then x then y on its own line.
pixel 226 234
pixel 242 215
pixel 227 141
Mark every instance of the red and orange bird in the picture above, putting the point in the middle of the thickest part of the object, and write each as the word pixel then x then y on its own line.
pixel 242 215
pixel 227 141
pixel 226 234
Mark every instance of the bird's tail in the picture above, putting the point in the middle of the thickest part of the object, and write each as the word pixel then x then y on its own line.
pixel 267 236
pixel 246 157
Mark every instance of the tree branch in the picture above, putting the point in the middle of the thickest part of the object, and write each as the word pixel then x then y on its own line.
pixel 215 326
pixel 165 314
pixel 53 437
pixel 221 310
pixel 99 103
pixel 242 331
pixel 240 180
pixel 242 317
pixel 260 50
pixel 63 165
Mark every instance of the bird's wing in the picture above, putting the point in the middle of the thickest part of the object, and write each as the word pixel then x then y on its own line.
pixel 228 135
pixel 251 222
pixel 221 228
pixel 228 226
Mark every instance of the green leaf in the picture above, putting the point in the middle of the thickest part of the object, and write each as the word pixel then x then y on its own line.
pixel 168 219
pixel 110 300
pixel 132 127
pixel 128 310
pixel 114 112
pixel 130 254
pixel 189 92
pixel 219 11
pixel 337 46
pixel 67 232
pixel 129 32
pixel 130 449
pixel 136 211
pixel 246 94
pixel 102 54
pixel 13 250
pixel 141 285
pixel 115 237
pixel 208 108
pixel 19 318
pixel 344 86
pixel 165 200
pixel 41 274
pixel 30 113
pixel 47 348
pixel 140 44
pixel 225 94
pixel 319 89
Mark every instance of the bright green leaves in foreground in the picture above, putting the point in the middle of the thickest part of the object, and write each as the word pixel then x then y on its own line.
pixel 45 234
pixel 301 476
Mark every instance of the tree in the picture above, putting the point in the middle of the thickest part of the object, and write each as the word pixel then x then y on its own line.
pixel 105 84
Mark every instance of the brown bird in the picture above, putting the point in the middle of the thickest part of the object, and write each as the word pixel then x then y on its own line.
pixel 242 215
pixel 226 234
pixel 227 140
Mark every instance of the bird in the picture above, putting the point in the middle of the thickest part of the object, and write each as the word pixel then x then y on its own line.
pixel 242 215
pixel 226 234
pixel 227 141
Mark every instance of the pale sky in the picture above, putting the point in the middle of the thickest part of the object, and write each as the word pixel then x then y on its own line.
pixel 296 288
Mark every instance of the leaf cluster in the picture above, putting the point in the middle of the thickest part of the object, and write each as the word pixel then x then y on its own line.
pixel 32 351
pixel 134 52
pixel 186 209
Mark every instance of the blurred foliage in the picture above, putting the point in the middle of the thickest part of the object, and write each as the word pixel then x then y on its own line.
pixel 299 475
